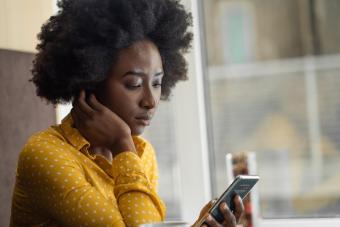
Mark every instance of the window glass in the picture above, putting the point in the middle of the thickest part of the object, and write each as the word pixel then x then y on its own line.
pixel 273 84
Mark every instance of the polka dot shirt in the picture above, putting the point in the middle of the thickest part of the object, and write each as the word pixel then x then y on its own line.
pixel 59 183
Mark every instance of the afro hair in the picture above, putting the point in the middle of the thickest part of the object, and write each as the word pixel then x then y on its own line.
pixel 79 44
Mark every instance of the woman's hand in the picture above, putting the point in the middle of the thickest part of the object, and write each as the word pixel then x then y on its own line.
pixel 230 219
pixel 100 126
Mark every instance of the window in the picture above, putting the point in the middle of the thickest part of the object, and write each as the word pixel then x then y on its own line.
pixel 272 78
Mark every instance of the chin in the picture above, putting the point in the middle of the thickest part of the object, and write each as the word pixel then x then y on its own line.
pixel 136 131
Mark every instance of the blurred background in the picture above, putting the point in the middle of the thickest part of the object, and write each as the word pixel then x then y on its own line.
pixel 272 72
pixel 263 78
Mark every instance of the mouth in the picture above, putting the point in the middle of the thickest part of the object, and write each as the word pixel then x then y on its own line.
pixel 144 120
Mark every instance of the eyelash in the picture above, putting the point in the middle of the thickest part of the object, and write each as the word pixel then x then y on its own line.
pixel 133 87
pixel 157 85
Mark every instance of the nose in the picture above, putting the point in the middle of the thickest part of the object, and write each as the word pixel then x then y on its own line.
pixel 148 100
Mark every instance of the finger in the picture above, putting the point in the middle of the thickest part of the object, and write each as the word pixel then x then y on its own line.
pixel 239 208
pixel 75 118
pixel 228 216
pixel 83 106
pixel 199 223
pixel 213 201
pixel 207 207
pixel 77 114
pixel 95 104
pixel 211 221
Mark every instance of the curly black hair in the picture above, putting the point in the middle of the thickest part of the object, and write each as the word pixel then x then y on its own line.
pixel 79 44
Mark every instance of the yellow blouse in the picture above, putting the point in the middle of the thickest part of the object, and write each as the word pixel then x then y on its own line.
pixel 59 183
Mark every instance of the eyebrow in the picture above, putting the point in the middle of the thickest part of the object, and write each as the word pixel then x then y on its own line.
pixel 141 74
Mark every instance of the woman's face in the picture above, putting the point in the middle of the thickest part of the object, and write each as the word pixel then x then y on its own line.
pixel 133 89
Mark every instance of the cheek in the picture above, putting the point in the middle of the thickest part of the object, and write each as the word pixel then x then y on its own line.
pixel 121 103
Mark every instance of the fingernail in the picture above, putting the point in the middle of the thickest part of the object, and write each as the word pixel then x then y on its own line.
pixel 209 218
pixel 224 206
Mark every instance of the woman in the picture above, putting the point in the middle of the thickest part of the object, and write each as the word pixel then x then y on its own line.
pixel 115 60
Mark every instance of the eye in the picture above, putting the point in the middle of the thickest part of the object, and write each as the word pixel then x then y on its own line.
pixel 157 85
pixel 133 83
pixel 133 86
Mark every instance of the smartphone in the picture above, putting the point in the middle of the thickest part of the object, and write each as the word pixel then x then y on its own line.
pixel 240 186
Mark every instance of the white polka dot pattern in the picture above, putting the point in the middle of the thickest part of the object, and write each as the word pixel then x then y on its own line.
pixel 58 182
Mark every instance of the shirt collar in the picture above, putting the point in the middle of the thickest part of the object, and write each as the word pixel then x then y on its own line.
pixel 80 143
pixel 72 134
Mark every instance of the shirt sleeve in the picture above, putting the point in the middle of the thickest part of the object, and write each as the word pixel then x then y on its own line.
pixel 134 192
pixel 153 167
pixel 57 184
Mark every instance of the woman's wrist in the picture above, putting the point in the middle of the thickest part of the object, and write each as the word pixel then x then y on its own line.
pixel 122 145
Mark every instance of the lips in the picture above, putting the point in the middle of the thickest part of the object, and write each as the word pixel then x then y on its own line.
pixel 144 119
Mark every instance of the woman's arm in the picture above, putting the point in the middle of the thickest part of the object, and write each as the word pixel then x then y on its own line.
pixel 57 184
pixel 134 191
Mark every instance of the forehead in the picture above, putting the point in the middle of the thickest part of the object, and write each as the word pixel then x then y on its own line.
pixel 142 54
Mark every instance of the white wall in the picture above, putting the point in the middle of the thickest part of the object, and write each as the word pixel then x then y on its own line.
pixel 20 22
